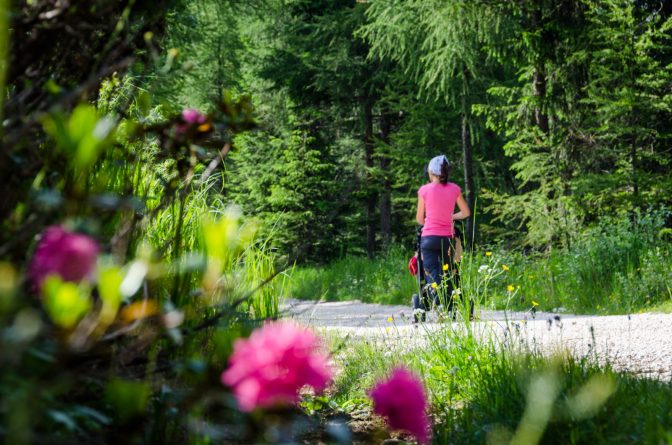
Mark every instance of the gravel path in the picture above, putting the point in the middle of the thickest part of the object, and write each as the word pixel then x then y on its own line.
pixel 639 343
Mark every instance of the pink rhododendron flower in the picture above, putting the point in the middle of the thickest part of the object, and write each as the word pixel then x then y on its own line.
pixel 275 362
pixel 402 401
pixel 69 255
pixel 193 116
pixel 190 118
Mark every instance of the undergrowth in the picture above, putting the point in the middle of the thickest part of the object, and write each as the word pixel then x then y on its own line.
pixel 483 393
pixel 381 280
pixel 614 267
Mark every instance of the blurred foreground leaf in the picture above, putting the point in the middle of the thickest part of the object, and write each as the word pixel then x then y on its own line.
pixel 82 136
pixel 8 281
pixel 127 399
pixel 591 396
pixel 64 302
pixel 109 284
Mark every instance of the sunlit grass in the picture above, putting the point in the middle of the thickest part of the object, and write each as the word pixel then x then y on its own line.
pixel 613 268
pixel 383 280
pixel 482 393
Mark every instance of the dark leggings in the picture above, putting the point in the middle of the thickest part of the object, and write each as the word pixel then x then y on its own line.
pixel 438 251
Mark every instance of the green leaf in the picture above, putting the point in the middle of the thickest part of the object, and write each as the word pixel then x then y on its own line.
pixel 64 302
pixel 109 286
pixel 128 399
pixel 82 136
pixel 144 103
pixel 52 87
pixel 56 126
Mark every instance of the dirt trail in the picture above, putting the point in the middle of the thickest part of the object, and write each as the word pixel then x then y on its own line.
pixel 639 343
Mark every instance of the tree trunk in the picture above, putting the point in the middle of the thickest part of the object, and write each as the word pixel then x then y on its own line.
pixel 539 78
pixel 633 138
pixel 470 190
pixel 386 191
pixel 370 194
pixel 539 89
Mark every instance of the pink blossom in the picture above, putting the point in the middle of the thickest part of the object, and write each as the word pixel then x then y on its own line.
pixel 402 401
pixel 193 116
pixel 275 362
pixel 69 255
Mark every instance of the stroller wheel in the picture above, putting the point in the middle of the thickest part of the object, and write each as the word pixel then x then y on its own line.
pixel 419 309
pixel 419 317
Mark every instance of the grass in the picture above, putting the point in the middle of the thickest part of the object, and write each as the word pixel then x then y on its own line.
pixel 382 280
pixel 611 268
pixel 481 393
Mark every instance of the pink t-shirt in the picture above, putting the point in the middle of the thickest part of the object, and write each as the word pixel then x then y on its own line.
pixel 440 202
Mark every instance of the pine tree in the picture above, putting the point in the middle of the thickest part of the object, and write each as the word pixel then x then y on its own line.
pixel 204 44
pixel 536 112
pixel 629 101
pixel 312 56
pixel 440 44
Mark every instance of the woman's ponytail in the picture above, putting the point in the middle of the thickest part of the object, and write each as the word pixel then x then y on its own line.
pixel 445 171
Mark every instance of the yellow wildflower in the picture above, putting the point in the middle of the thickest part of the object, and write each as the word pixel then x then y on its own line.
pixel 534 303
pixel 204 127
pixel 505 267
pixel 445 267
pixel 510 288
pixel 434 285
pixel 488 253
pixel 390 319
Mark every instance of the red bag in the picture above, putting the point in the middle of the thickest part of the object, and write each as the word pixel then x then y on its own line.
pixel 413 265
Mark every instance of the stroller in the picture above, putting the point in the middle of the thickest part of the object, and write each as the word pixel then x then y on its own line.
pixel 427 298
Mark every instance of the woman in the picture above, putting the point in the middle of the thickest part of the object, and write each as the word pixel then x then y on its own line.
pixel 436 204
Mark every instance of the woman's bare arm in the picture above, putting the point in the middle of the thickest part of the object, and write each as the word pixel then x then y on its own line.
pixel 420 214
pixel 464 212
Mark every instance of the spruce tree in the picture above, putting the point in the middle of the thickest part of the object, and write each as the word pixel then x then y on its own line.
pixel 628 97
pixel 440 44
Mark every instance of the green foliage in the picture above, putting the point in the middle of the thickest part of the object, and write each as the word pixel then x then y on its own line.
pixel 83 136
pixel 567 107
pixel 177 266
pixel 500 408
pixel 447 65
pixel 4 47
pixel 65 303
pixel 298 196
pixel 312 79
pixel 627 97
pixel 563 93
pixel 127 399
pixel 383 280
pixel 290 188
pixel 608 269
pixel 203 45
pixel 285 174
pixel 481 392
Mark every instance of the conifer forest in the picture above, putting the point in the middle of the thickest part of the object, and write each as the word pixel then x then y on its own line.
pixel 177 175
